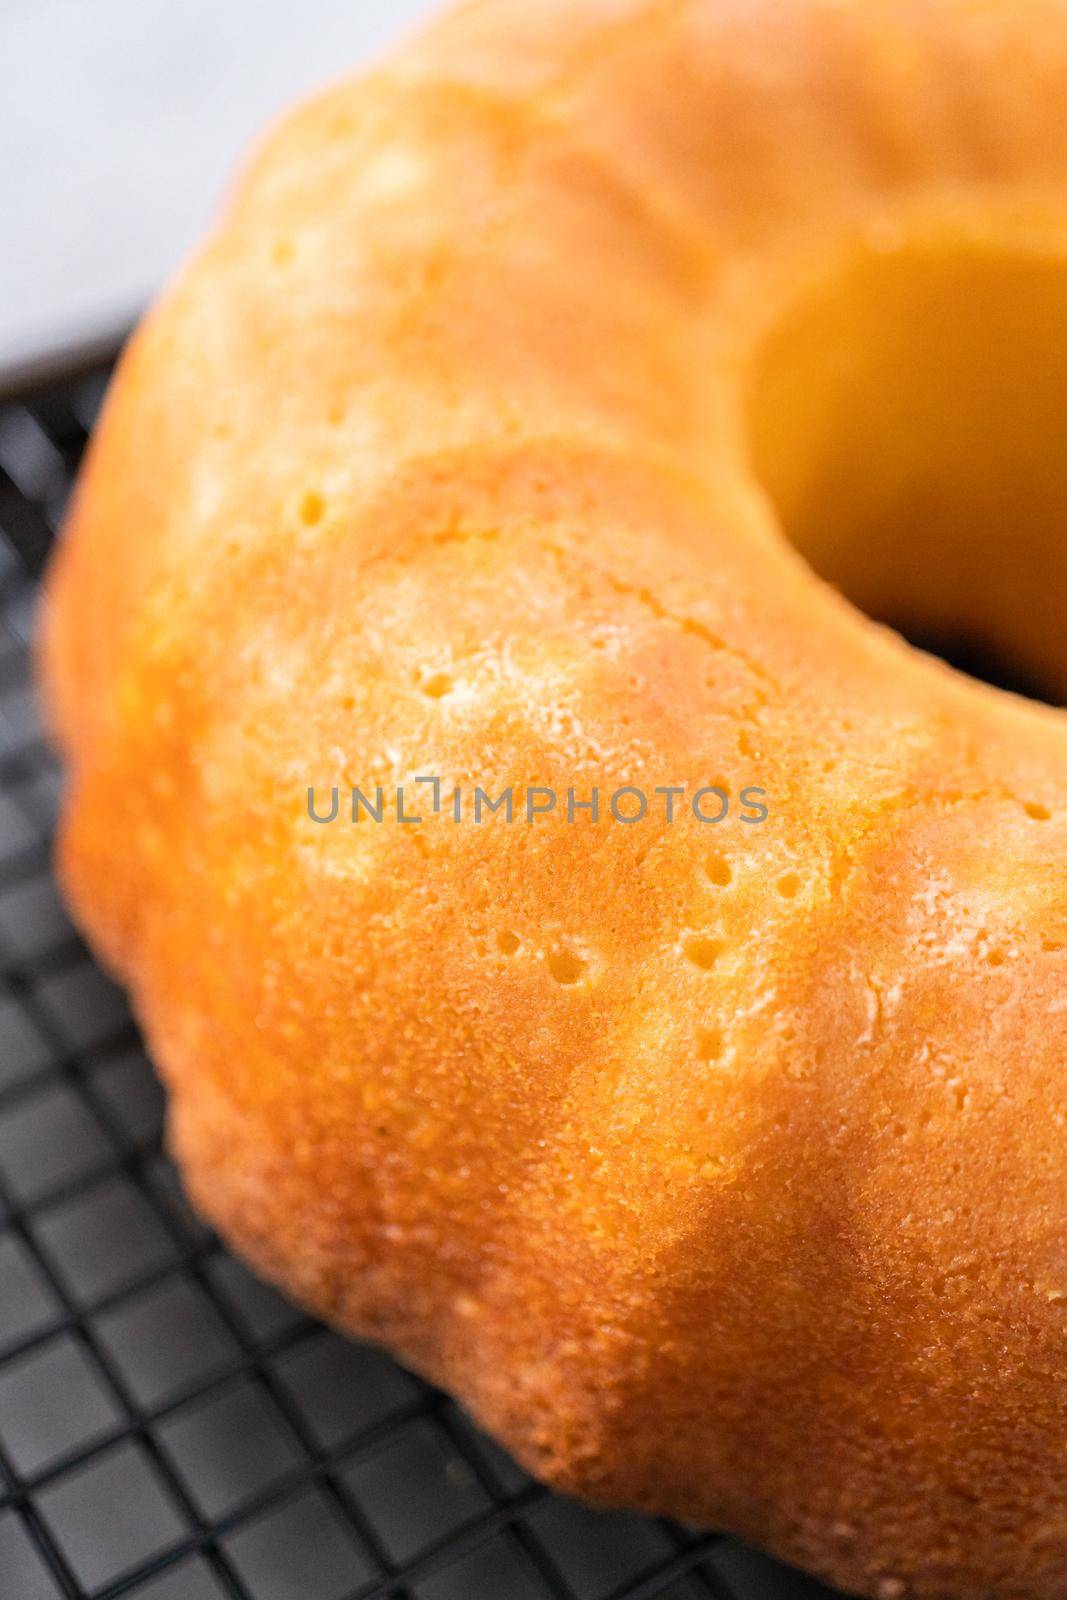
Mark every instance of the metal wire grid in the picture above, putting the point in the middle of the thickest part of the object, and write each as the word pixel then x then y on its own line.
pixel 171 1428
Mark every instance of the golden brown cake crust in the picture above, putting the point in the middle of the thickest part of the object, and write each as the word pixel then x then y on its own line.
pixel 434 461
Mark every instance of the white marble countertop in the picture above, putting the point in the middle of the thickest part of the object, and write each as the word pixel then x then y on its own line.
pixel 120 123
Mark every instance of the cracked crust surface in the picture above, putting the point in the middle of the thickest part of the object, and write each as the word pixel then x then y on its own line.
pixel 433 461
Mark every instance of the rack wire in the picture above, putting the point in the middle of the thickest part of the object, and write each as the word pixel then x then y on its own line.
pixel 170 1427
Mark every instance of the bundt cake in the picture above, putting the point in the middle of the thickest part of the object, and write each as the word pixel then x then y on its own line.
pixel 553 409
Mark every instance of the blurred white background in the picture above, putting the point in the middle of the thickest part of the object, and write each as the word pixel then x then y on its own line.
pixel 120 124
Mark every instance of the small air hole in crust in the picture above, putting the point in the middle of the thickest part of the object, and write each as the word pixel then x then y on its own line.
pixel 788 885
pixel 710 1044
pixel 437 685
pixel 565 966
pixel 312 508
pixel 702 951
pixel 507 942
pixel 1037 812
pixel 719 871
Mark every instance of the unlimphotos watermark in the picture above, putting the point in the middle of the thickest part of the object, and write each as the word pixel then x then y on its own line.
pixel 626 804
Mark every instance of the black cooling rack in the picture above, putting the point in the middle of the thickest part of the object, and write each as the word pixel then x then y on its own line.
pixel 170 1427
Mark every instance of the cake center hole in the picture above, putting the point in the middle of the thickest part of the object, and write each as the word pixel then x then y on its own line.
pixel 909 421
